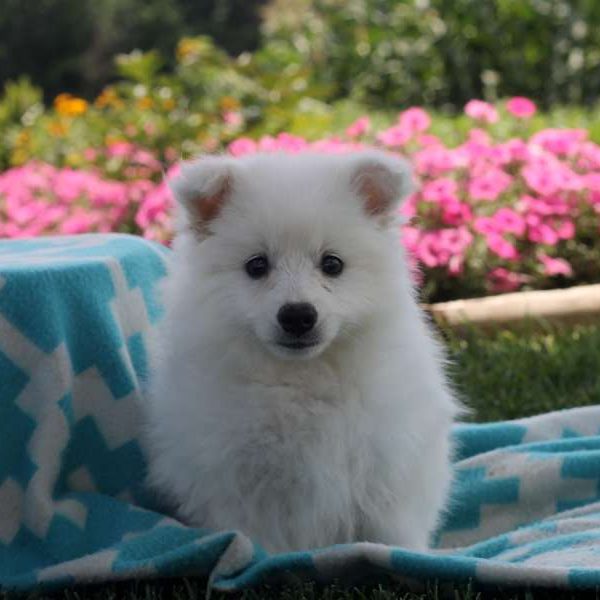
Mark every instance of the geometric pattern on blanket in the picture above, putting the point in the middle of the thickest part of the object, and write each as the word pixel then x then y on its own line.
pixel 75 314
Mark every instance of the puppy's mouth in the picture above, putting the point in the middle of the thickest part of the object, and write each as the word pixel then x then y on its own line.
pixel 298 344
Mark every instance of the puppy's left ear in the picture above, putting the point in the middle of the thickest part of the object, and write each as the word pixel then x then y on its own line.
pixel 202 189
pixel 381 181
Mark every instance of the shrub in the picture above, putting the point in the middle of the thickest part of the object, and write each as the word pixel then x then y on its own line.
pixel 437 52
pixel 496 212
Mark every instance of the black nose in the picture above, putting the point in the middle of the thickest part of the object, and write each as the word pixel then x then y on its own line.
pixel 297 318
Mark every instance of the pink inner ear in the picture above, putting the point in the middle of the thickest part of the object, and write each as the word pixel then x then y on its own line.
pixel 375 202
pixel 375 199
pixel 210 206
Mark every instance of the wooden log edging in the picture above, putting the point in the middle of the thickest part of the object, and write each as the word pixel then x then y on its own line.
pixel 580 304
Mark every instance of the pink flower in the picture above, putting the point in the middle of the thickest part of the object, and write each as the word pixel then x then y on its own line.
pixel 78 223
pixel 426 139
pixel 120 149
pixel 490 185
pixel 501 247
pixel 233 118
pixel 540 178
pixel 502 280
pixel 436 160
pixel 439 189
pixel 394 136
pixel 507 220
pixel 414 120
pixel 566 230
pixel 591 181
pixel 90 154
pixel 242 146
pixel 542 233
pixel 562 142
pixel 555 266
pixel 481 111
pixel 485 225
pixel 359 127
pixel 520 107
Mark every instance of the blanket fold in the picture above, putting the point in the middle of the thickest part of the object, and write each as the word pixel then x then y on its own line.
pixel 75 314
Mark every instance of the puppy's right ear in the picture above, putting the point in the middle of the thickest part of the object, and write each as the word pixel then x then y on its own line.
pixel 202 189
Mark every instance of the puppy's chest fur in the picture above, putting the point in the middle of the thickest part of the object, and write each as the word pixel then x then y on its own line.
pixel 303 442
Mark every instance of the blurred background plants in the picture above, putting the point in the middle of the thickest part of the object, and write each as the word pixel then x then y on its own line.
pixel 189 75
pixel 110 96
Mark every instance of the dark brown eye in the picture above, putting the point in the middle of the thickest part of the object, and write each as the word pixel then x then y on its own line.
pixel 257 266
pixel 332 265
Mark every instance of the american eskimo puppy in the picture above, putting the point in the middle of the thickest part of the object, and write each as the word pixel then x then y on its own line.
pixel 296 393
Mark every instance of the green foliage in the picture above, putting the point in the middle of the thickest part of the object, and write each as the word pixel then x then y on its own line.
pixel 70 45
pixel 444 52
pixel 45 40
pixel 182 112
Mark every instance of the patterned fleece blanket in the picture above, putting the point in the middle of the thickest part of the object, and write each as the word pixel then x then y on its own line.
pixel 74 316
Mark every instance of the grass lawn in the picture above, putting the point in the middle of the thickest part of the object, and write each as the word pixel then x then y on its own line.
pixel 503 376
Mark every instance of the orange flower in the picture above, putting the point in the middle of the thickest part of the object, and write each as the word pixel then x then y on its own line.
pixel 108 97
pixel 228 103
pixel 169 104
pixel 186 49
pixel 145 103
pixel 57 128
pixel 69 105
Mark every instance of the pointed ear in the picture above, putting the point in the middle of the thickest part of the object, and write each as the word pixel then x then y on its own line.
pixel 202 189
pixel 381 181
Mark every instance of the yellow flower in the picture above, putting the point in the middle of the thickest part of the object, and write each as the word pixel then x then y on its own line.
pixel 57 128
pixel 186 48
pixel 144 103
pixel 69 105
pixel 168 104
pixel 23 138
pixel 112 139
pixel 108 97
pixel 73 159
pixel 228 103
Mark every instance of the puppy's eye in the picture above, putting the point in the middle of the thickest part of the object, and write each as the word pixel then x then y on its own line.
pixel 257 266
pixel 332 265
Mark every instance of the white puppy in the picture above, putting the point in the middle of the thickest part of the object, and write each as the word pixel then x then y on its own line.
pixel 296 393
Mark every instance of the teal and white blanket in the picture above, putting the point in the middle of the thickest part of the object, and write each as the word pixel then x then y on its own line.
pixel 74 316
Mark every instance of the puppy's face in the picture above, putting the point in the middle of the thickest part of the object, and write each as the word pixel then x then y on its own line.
pixel 294 252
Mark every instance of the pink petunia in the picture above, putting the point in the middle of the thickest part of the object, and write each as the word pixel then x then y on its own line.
pixel 507 220
pixel 542 233
pixel 566 230
pixel 120 149
pixel 359 128
pixel 562 142
pixel 242 146
pixel 520 107
pixel 540 178
pixel 395 136
pixel 439 189
pixel 414 120
pixel 502 280
pixel 481 111
pixel 233 118
pixel 501 247
pixel 555 266
pixel 489 185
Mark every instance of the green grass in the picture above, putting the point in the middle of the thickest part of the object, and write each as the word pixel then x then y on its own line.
pixel 503 376
pixel 511 374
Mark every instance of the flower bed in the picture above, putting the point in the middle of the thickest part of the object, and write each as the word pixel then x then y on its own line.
pixel 491 215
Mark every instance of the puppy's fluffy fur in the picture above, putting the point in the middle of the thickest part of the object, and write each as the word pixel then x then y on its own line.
pixel 343 439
